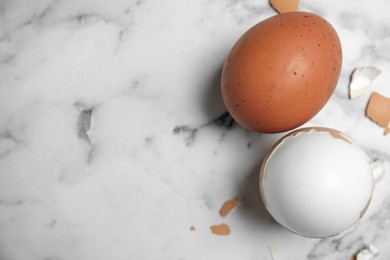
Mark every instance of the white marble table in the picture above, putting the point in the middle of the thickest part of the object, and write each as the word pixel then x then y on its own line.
pixel 114 139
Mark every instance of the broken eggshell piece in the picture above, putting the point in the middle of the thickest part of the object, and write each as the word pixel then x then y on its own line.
pixel 229 206
pixel 316 182
pixel 361 80
pixel 367 253
pixel 387 130
pixel 220 229
pixel 378 110
pixel 284 6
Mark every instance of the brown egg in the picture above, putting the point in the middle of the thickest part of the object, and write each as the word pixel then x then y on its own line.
pixel 281 72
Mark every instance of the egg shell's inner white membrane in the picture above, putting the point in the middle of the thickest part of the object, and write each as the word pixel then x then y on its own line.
pixel 316 184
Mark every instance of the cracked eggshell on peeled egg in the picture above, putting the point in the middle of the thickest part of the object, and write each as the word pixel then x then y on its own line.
pixel 316 182
pixel 281 72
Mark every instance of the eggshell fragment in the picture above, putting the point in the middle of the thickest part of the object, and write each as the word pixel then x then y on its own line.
pixel 229 206
pixel 220 230
pixel 387 129
pixel 361 79
pixel 378 110
pixel 378 169
pixel 284 6
pixel 367 253
pixel 273 252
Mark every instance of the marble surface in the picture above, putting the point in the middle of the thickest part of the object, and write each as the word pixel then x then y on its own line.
pixel 114 139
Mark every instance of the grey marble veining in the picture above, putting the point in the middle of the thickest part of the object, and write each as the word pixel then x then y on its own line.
pixel 114 139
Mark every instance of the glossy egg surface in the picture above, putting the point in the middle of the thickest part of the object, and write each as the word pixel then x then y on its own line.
pixel 281 72
pixel 316 182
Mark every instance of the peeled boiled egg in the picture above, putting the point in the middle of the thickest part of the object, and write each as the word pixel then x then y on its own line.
pixel 281 72
pixel 316 182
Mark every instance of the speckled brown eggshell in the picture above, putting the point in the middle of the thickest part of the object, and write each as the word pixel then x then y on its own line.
pixel 281 72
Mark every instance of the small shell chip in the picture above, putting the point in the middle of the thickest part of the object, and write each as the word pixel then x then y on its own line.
pixel 367 253
pixel 284 6
pixel 378 110
pixel 229 206
pixel 220 230
pixel 378 169
pixel 361 79
pixel 387 129
pixel 273 252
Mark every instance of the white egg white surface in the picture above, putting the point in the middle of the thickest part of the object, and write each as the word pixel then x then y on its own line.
pixel 317 183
